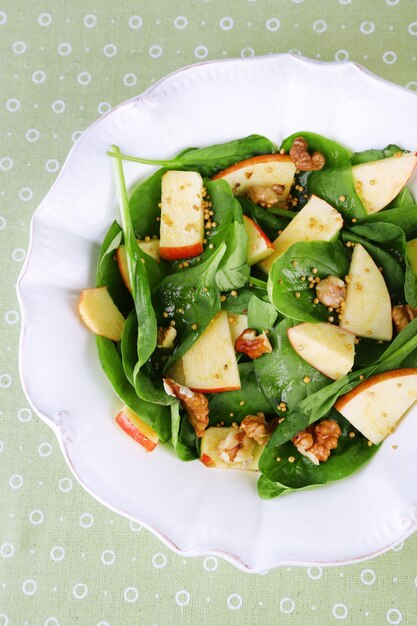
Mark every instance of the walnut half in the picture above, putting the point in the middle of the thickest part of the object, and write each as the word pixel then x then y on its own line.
pixel 166 337
pixel 257 428
pixel 252 344
pixel 331 291
pixel 195 404
pixel 266 197
pixel 317 441
pixel 402 315
pixel 301 158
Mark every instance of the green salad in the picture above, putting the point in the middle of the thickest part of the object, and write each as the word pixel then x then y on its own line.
pixel 255 306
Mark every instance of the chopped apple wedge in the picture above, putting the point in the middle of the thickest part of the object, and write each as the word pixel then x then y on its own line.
pixel 238 323
pixel 412 253
pixel 100 314
pixel 216 439
pixel 378 182
pixel 264 170
pixel 317 221
pixel 137 429
pixel 182 215
pixel 259 246
pixel 376 406
pixel 151 248
pixel 210 365
pixel 328 348
pixel 367 308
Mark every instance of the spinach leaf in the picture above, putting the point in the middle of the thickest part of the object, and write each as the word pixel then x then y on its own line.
pixel 233 271
pixel 183 451
pixel 261 315
pixel 267 489
pixel 282 375
pixel 272 223
pixel 226 407
pixel 155 415
pixel 143 272
pixel 211 159
pixel 350 454
pixel 334 183
pixel 128 346
pixel 288 284
pixel 240 303
pixel 375 155
pixel 403 199
pixel 405 217
pixel 387 256
pixel 191 299
pixel 386 243
pixel 108 273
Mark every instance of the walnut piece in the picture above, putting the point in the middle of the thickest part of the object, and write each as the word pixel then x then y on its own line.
pixel 266 197
pixel 331 291
pixel 252 344
pixel 301 158
pixel 237 447
pixel 195 404
pixel 166 337
pixel 257 428
pixel 316 441
pixel 402 315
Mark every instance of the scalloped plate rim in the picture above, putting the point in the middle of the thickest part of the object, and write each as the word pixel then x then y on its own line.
pixel 20 288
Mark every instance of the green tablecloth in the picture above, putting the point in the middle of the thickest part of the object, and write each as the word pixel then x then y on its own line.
pixel 64 559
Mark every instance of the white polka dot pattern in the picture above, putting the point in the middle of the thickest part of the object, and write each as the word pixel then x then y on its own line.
pixel 64 558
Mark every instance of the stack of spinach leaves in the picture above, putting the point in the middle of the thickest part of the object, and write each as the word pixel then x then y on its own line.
pixel 221 278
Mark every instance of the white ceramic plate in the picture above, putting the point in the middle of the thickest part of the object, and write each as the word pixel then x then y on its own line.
pixel 194 510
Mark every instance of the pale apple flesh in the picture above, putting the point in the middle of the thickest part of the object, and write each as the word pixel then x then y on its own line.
pixel 376 406
pixel 367 308
pixel 238 322
pixel 137 429
pixel 259 245
pixel 151 248
pixel 264 170
pixel 327 348
pixel 210 365
pixel 317 221
pixel 99 313
pixel 182 215
pixel 412 253
pixel 211 450
pixel 378 182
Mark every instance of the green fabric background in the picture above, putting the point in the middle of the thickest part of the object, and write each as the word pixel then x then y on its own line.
pixel 64 559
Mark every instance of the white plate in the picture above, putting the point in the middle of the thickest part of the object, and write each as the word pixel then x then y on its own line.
pixel 192 509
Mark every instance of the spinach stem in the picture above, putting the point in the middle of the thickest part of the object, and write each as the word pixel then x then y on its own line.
pixel 257 282
pixel 126 157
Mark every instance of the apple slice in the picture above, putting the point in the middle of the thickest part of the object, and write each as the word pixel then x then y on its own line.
pixel 210 365
pixel 378 182
pixel 238 323
pixel 317 221
pixel 376 406
pixel 211 455
pixel 412 253
pixel 264 170
pixel 367 308
pixel 100 314
pixel 328 348
pixel 259 245
pixel 150 248
pixel 182 215
pixel 137 429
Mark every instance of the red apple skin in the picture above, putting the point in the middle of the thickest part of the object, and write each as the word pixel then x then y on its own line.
pixel 130 429
pixel 182 252
pixel 207 460
pixel 378 378
pixel 214 390
pixel 260 231
pixel 262 158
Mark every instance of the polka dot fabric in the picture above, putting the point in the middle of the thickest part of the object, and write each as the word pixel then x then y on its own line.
pixel 65 559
